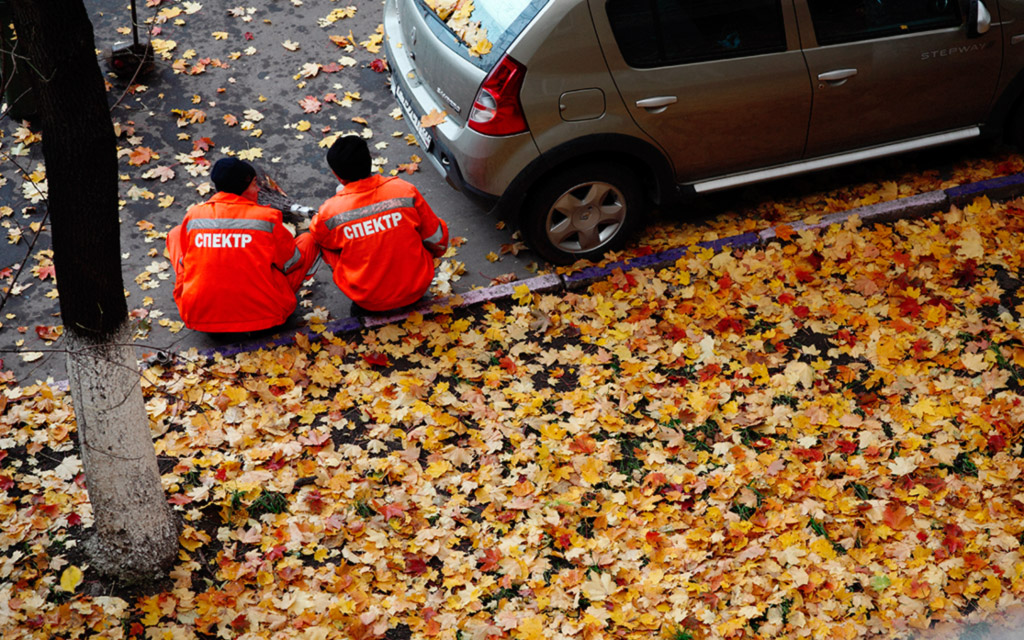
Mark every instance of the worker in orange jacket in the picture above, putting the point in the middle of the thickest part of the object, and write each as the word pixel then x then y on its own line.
pixel 378 234
pixel 236 267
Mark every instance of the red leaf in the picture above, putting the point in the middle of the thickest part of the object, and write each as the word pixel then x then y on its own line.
pixel 376 358
pixel 240 622
pixel 390 510
pixel 803 275
pixel 809 455
pixel 45 272
pixel 508 364
pixel 415 564
pixel 726 325
pixel 74 519
pixel 248 35
pixel 996 443
pixel 910 308
pixel 46 332
pixel 847 446
pixel 490 560
pixel 202 144
pixel 709 371
pixel 951 538
pixel 179 499
pixel 315 501
pixel 379 65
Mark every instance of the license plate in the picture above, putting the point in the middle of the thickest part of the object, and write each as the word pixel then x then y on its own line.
pixel 425 139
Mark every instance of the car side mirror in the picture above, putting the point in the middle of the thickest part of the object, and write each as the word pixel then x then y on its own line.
pixel 978 18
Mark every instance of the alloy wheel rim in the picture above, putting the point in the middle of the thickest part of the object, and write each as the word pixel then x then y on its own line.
pixel 586 217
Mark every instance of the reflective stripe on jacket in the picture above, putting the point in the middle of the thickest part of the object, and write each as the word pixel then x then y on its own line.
pixel 234 254
pixel 385 236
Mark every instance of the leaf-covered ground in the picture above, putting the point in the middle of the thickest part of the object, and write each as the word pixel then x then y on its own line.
pixel 815 438
pixel 276 83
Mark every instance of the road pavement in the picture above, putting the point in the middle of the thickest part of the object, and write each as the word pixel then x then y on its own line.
pixel 272 83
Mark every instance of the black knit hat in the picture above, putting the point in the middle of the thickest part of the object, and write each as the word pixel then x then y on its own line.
pixel 232 175
pixel 349 158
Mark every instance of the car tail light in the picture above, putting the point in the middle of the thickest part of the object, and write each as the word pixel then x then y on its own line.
pixel 496 110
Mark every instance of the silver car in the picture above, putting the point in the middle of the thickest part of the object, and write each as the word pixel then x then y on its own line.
pixel 576 116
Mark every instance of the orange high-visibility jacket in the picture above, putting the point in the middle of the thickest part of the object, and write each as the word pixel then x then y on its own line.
pixel 231 274
pixel 380 237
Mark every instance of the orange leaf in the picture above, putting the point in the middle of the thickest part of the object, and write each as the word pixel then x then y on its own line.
pixel 140 156
pixel 896 517
pixel 784 231
pixel 433 118
pixel 583 444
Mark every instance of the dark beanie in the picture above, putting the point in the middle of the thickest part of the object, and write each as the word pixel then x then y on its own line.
pixel 349 158
pixel 232 175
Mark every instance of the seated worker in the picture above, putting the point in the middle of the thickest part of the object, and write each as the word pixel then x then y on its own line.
pixel 236 267
pixel 378 234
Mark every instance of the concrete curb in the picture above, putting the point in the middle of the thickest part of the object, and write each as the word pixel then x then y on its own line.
pixel 920 205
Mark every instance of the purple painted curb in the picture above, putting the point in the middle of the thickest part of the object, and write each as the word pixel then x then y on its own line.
pixel 1004 188
pixel 732 242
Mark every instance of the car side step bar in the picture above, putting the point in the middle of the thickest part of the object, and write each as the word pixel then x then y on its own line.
pixel 838 160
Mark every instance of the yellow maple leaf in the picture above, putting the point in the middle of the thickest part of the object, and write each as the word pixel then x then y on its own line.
pixel 522 294
pixel 481 48
pixel 592 470
pixel 532 627
pixel 438 468
pixel 220 35
pixel 71 578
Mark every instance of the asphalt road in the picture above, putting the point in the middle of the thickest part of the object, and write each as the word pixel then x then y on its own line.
pixel 261 88
pixel 241 84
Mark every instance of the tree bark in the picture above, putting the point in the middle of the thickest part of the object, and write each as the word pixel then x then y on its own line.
pixel 135 533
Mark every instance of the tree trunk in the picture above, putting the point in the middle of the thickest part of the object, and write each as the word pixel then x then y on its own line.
pixel 135 532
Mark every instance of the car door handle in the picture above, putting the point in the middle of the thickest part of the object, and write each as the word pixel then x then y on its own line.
pixel 838 77
pixel 656 104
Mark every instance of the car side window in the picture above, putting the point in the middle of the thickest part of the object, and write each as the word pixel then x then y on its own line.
pixel 838 21
pixel 654 33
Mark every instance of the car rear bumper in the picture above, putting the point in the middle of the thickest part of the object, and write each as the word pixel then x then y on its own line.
pixel 481 166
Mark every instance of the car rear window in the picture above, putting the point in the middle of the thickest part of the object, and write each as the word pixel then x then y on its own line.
pixel 481 30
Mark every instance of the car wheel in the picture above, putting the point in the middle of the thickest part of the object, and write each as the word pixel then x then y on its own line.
pixel 582 213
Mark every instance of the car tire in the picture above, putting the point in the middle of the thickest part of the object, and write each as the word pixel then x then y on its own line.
pixel 1015 130
pixel 582 213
